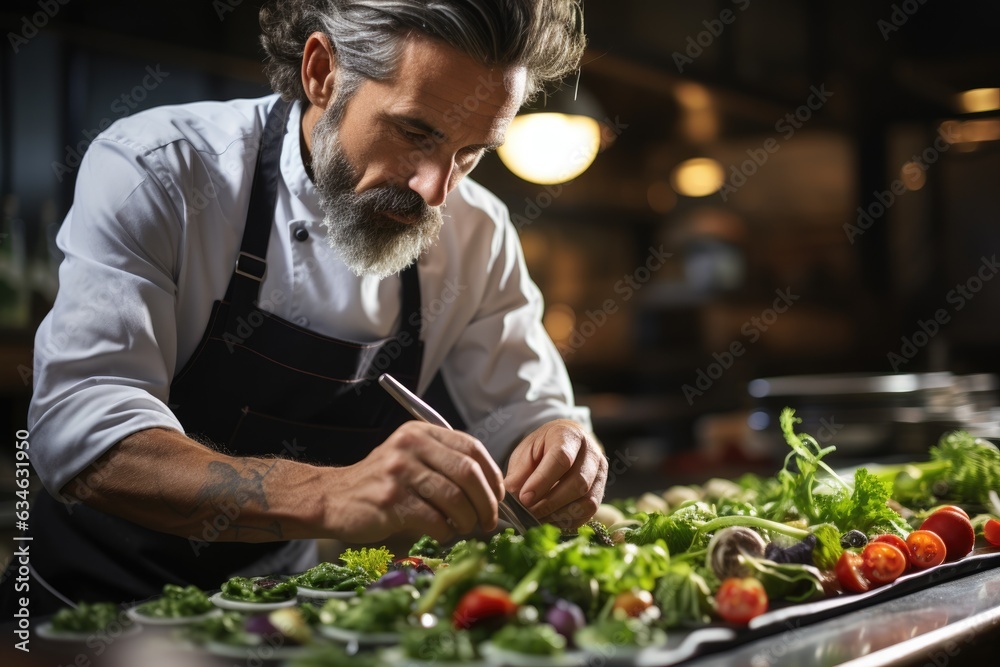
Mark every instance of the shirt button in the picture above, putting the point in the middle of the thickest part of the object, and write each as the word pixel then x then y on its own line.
pixel 301 234
pixel 302 321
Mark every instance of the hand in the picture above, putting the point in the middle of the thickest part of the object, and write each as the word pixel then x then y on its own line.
pixel 558 472
pixel 422 480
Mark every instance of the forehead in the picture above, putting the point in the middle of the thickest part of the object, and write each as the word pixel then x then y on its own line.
pixel 452 92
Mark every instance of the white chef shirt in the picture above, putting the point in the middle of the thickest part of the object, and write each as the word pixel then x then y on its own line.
pixel 150 243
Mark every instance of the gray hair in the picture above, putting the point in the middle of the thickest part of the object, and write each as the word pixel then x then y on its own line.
pixel 543 36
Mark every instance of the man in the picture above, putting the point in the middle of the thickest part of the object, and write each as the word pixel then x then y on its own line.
pixel 203 421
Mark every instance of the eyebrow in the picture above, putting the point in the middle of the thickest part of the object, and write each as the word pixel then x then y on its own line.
pixel 422 125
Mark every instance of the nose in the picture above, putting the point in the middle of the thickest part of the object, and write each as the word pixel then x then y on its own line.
pixel 431 180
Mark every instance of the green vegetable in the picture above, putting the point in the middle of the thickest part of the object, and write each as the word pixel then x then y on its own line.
pixel 439 644
pixel 786 581
pixel 258 589
pixel 539 639
pixel 177 602
pixel 426 547
pixel 472 561
pixel 962 469
pixel 382 610
pixel 684 596
pixel 226 628
pixel 371 560
pixel 619 632
pixel 865 509
pixel 679 531
pixel 87 617
pixel 331 577
pixel 828 549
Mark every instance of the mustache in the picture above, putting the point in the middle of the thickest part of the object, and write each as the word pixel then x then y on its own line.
pixel 392 199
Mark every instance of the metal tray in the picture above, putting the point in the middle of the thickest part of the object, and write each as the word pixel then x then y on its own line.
pixel 684 645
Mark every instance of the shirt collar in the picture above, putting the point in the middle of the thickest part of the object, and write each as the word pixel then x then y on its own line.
pixel 292 168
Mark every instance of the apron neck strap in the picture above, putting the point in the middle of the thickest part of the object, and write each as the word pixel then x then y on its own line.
pixel 251 263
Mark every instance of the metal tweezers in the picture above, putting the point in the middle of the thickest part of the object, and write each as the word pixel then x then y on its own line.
pixel 511 509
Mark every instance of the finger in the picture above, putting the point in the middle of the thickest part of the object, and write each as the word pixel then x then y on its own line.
pixel 448 499
pixel 465 443
pixel 560 451
pixel 465 473
pixel 520 465
pixel 421 518
pixel 578 482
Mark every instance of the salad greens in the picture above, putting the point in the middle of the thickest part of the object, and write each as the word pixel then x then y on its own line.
pixel 426 547
pixel 373 561
pixel 439 644
pixel 382 610
pixel 177 602
pixel 962 468
pixel 536 639
pixel 331 577
pixel 87 617
pixel 258 589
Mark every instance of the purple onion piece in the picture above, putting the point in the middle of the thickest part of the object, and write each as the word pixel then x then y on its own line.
pixel 395 578
pixel 566 617
pixel 260 624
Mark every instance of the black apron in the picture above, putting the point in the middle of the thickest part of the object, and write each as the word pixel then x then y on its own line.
pixel 257 385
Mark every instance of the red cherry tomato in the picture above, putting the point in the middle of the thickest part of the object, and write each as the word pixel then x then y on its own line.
pixel 483 604
pixel 882 563
pixel 951 508
pixel 849 573
pixel 739 600
pixel 991 531
pixel 634 602
pixel 896 541
pixel 926 549
pixel 954 529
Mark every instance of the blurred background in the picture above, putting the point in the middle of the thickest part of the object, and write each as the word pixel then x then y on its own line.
pixel 790 202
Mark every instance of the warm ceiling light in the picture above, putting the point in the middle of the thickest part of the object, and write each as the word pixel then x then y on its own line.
pixel 980 99
pixel 697 177
pixel 550 148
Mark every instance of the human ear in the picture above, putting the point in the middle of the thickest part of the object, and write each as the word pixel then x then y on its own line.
pixel 318 70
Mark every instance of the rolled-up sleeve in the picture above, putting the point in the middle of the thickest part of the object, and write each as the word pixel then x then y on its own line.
pixel 504 371
pixel 105 354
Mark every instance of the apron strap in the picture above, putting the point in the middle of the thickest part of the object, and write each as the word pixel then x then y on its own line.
pixel 251 263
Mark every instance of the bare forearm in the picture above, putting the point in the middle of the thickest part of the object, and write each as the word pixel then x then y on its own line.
pixel 163 480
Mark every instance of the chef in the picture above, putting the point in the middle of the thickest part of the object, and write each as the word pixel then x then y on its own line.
pixel 237 275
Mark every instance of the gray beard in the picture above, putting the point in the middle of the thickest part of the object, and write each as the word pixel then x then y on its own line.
pixel 370 243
